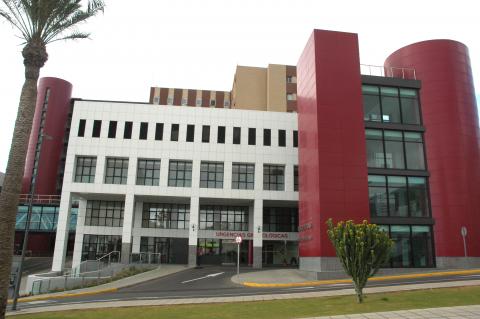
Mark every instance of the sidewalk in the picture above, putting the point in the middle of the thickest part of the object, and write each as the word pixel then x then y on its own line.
pixel 113 286
pixel 185 301
pixel 470 312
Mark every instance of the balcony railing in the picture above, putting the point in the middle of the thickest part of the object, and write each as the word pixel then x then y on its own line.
pixel 389 72
pixel 40 199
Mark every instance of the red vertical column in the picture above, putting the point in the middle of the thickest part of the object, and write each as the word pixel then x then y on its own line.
pixel 332 152
pixel 452 137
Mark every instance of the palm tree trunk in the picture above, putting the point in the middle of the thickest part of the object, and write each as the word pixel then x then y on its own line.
pixel 13 178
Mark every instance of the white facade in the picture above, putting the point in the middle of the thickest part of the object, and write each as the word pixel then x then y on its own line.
pixel 165 150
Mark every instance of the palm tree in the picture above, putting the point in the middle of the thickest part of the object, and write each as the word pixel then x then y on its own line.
pixel 38 23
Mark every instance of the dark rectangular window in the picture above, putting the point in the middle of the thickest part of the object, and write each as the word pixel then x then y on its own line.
pixel 180 173
pixel 215 217
pixel 97 127
pixel 295 178
pixel 159 131
pixel 252 136
pixel 211 175
pixel 295 138
pixel 96 246
pixel 221 135
pixel 143 131
pixel 81 128
pixel 267 137
pixel 273 177
pixel 280 219
pixel 166 216
pixel 282 138
pixel 112 129
pixel 85 169
pixel 127 131
pixel 190 133
pixel 148 172
pixel 174 132
pixel 237 135
pixel 104 213
pixel 116 171
pixel 243 176
pixel 205 133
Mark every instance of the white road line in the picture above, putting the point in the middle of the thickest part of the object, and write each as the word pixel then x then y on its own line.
pixel 39 302
pixel 204 277
pixel 300 288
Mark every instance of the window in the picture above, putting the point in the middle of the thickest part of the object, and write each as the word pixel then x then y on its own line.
pixel 96 246
pixel 159 131
pixel 85 169
pixel 282 138
pixel 291 96
pixel 211 175
pixel 280 219
pixel 184 101
pixel 116 171
pixel 252 136
pixel 104 213
pixel 216 217
pixel 127 131
pixel 180 173
pixel 213 102
pixel 395 149
pixel 174 132
pixel 291 79
pixel 295 178
pixel 236 135
pixel 295 138
pixel 170 100
pixel 243 176
pixel 390 105
pixel 226 104
pixel 198 102
pixel 166 216
pixel 148 172
pixel 112 129
pixel 273 177
pixel 97 127
pixel 143 131
pixel 81 128
pixel 205 133
pixel 42 217
pixel 267 137
pixel 412 245
pixel 398 196
pixel 190 133
pixel 221 135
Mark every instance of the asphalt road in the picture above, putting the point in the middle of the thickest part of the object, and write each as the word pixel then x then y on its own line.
pixel 213 281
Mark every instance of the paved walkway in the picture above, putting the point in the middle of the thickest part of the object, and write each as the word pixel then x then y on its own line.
pixel 165 302
pixel 472 312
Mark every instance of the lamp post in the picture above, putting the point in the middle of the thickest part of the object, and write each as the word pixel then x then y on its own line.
pixel 29 217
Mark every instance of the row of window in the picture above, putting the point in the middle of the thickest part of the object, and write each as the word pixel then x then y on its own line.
pixel 198 102
pixel 43 218
pixel 180 173
pixel 398 196
pixel 390 105
pixel 395 149
pixel 190 134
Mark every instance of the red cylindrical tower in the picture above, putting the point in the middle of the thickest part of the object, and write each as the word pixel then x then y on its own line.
pixel 50 120
pixel 452 138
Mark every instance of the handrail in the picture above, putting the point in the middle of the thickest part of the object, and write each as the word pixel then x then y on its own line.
pixel 41 199
pixel 76 271
pixel 157 258
pixel 389 72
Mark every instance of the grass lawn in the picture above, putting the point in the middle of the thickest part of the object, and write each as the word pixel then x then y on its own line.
pixel 290 308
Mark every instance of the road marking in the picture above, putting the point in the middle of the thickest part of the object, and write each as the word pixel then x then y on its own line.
pixel 300 288
pixel 204 277
pixel 39 302
pixel 336 285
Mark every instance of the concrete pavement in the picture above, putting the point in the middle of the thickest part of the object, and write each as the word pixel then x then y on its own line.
pixel 469 312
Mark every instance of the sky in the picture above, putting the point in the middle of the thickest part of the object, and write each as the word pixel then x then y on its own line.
pixel 198 44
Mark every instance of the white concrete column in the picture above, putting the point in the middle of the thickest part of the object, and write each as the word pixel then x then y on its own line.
pixel 193 231
pixel 164 162
pixel 79 232
pixel 257 233
pixel 128 214
pixel 137 225
pixel 227 175
pixel 288 178
pixel 61 239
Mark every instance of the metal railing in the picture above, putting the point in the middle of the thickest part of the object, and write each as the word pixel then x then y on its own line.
pixel 389 72
pixel 146 258
pixel 96 265
pixel 40 199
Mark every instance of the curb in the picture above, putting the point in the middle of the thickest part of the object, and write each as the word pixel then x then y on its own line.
pixel 342 281
pixel 66 295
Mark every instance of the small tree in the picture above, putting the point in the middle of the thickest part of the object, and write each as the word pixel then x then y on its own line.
pixel 361 248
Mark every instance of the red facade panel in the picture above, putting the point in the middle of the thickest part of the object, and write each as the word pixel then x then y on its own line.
pixel 452 137
pixel 54 127
pixel 332 153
